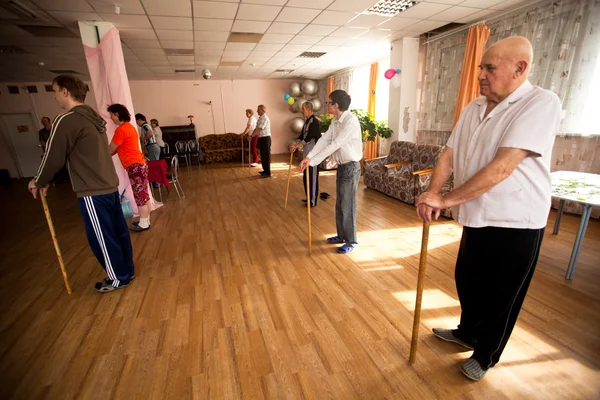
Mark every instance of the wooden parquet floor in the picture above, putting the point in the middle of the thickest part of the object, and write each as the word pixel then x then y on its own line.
pixel 227 304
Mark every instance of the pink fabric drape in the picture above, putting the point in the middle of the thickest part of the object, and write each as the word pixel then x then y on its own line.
pixel 109 80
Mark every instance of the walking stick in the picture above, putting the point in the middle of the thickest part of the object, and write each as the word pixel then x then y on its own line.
pixel 287 189
pixel 308 206
pixel 420 281
pixel 243 164
pixel 56 247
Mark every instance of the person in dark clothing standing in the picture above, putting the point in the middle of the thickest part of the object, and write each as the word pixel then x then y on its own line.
pixel 311 133
pixel 263 131
pixel 79 138
pixel 44 133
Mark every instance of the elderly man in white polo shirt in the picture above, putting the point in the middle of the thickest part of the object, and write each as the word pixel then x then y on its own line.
pixel 263 131
pixel 500 153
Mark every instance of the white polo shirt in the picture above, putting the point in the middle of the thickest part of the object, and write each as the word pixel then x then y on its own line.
pixel 264 123
pixel 527 119
pixel 343 140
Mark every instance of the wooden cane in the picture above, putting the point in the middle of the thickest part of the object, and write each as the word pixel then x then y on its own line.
pixel 56 247
pixel 287 189
pixel 243 164
pixel 308 206
pixel 420 282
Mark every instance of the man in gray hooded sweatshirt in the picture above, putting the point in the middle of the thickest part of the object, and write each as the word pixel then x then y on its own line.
pixel 78 138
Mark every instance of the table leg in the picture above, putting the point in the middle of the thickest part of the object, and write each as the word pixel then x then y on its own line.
pixel 559 213
pixel 585 217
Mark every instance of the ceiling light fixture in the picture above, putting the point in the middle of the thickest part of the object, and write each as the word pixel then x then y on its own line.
pixel 389 8
pixel 117 9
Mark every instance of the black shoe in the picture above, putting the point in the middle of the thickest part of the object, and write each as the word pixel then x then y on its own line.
pixel 136 223
pixel 311 206
pixel 138 228
pixel 304 201
pixel 262 173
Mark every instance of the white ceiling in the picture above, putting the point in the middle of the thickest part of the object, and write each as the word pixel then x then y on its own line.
pixel 341 28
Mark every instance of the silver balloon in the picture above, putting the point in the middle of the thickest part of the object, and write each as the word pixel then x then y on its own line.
pixel 297 124
pixel 298 105
pixel 294 89
pixel 206 73
pixel 316 105
pixel 309 87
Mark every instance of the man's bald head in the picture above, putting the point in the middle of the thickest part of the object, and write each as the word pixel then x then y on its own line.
pixel 504 67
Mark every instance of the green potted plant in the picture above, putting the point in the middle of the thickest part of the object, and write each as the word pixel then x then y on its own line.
pixel 368 125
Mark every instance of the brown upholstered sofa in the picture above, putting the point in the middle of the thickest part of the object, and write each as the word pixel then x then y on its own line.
pixel 406 172
pixel 223 148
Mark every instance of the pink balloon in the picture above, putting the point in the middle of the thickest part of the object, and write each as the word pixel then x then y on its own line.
pixel 389 74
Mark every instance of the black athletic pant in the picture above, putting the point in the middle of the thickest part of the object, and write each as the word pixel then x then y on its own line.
pixel 264 145
pixel 493 271
pixel 314 184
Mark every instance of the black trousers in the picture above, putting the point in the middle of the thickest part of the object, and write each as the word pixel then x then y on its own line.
pixel 264 145
pixel 493 271
pixel 314 184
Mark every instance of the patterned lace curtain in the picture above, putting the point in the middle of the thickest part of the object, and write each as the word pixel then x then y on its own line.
pixel 566 41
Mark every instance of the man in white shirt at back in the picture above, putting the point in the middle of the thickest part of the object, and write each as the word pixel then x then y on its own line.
pixel 500 153
pixel 263 131
pixel 343 140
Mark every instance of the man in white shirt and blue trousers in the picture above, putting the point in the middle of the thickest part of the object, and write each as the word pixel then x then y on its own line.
pixel 500 153
pixel 343 141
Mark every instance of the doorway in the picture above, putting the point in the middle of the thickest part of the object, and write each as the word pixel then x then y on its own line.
pixel 22 136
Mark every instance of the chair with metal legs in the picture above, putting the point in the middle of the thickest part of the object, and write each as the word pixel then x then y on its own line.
pixel 174 179
pixel 194 151
pixel 182 150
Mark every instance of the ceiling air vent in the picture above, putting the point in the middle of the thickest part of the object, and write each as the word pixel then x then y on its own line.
pixel 32 89
pixel 8 49
pixel 312 54
pixel 389 8
pixel 245 37
pixel 63 71
pixel 23 14
pixel 185 70
pixel 179 52
pixel 283 71
pixel 13 89
pixel 48 31
pixel 48 88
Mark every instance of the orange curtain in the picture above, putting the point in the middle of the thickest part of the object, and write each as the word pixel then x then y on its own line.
pixel 330 87
pixel 469 85
pixel 371 147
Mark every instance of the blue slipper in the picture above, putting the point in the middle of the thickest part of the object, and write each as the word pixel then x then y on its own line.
pixel 335 240
pixel 345 249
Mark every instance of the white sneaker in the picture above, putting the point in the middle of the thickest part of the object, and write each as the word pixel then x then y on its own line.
pixel 254 165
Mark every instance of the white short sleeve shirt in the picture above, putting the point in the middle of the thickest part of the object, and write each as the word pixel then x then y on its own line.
pixel 527 119
pixel 264 123
pixel 252 123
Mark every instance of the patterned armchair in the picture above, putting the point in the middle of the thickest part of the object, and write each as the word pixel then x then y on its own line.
pixel 222 148
pixel 406 172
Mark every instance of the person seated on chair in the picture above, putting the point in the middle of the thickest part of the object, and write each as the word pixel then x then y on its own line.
pixel 125 144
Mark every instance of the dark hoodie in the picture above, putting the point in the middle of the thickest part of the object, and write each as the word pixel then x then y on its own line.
pixel 78 138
